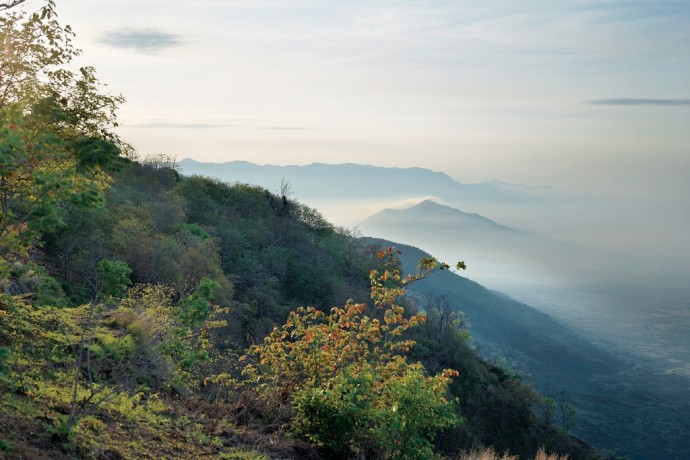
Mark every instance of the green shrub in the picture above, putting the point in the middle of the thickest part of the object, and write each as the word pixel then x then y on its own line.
pixel 5 446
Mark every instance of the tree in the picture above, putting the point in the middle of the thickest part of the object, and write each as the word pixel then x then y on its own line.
pixel 55 141
pixel 113 277
pixel 35 64
pixel 567 414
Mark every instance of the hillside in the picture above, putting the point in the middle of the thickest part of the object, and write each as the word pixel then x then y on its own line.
pixel 180 242
pixel 147 314
pixel 502 327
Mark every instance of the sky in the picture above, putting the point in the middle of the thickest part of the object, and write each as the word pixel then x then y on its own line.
pixel 566 93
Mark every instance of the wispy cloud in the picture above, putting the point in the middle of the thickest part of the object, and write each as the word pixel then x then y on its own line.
pixel 178 125
pixel 642 101
pixel 141 40
pixel 286 128
pixel 243 124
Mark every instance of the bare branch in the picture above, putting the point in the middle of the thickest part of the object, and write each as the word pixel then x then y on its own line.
pixel 10 4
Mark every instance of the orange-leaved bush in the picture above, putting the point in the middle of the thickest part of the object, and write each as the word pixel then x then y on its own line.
pixel 343 378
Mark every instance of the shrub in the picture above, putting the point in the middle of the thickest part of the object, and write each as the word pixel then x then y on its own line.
pixel 347 381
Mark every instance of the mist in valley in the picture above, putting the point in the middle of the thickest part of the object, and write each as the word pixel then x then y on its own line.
pixel 618 275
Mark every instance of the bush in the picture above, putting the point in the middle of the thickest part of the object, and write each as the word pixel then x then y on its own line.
pixel 5 446
pixel 344 375
pixel 363 412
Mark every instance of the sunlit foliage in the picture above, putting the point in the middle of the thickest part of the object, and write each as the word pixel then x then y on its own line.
pixel 347 379
pixel 54 132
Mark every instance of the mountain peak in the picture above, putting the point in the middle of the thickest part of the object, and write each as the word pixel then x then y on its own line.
pixel 430 211
pixel 429 203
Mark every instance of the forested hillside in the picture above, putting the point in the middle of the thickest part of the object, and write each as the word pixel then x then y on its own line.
pixel 144 314
pixel 129 285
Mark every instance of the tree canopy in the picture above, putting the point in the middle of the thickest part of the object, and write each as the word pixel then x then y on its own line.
pixel 55 138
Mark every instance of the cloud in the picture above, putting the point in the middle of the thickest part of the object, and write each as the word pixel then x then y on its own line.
pixel 642 101
pixel 142 40
pixel 286 128
pixel 168 125
pixel 178 125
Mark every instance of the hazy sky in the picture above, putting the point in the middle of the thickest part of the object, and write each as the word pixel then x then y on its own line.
pixel 578 94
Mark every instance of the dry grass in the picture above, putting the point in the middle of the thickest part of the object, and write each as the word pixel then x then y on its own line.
pixel 541 455
pixel 486 454
pixel 490 454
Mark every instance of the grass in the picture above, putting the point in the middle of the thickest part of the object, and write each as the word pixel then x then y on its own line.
pixel 490 454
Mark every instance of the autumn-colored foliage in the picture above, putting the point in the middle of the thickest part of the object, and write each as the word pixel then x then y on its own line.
pixel 344 380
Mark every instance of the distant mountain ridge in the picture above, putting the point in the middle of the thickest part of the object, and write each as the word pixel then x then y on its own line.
pixel 357 180
pixel 495 251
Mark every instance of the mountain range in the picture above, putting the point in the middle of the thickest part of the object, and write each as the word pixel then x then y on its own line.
pixel 371 188
pixel 359 180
